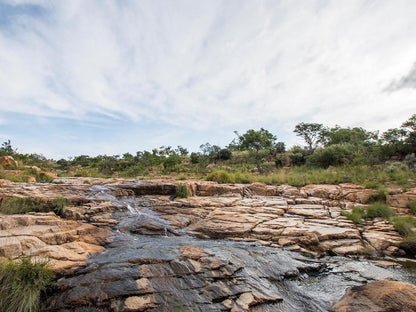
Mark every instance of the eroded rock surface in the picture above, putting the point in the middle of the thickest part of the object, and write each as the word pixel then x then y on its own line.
pixel 380 296
pixel 225 248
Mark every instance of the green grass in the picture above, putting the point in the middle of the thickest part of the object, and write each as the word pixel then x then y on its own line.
pixel 412 206
pixel 18 205
pixel 380 210
pixel 182 190
pixel 405 225
pixel 21 284
pixel 357 215
pixel 221 176
pixel 376 210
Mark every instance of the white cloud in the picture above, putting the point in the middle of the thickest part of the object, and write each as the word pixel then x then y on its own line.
pixel 204 64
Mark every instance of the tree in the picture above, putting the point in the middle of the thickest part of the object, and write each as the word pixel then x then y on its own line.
pixel 7 149
pixel 409 126
pixel 310 132
pixel 254 141
pixel 355 136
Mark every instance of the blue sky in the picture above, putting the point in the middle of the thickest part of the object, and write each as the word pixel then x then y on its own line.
pixel 109 77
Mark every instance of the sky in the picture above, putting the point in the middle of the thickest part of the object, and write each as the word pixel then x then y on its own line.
pixel 90 77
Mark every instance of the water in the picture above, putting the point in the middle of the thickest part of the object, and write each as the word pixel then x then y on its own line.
pixel 175 271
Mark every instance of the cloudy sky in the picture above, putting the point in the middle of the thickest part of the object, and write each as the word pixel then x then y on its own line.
pixel 109 77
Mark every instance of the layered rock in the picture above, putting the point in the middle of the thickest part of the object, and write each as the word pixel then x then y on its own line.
pixel 383 296
pixel 66 244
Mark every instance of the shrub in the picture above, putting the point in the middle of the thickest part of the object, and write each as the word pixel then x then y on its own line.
pixel 331 156
pixel 405 225
pixel 355 216
pixel 378 196
pixel 224 154
pixel 21 284
pixel 194 158
pixel 381 210
pixel 221 176
pixel 182 190
pixel 412 206
pixel 23 205
pixel 395 167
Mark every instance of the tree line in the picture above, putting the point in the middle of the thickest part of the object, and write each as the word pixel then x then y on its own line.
pixel 323 147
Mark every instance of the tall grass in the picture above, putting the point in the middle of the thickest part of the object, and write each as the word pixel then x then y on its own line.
pixel 23 205
pixel 21 284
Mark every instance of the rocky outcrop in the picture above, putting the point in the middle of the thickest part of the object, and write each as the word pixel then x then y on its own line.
pixel 66 244
pixel 7 161
pixel 380 296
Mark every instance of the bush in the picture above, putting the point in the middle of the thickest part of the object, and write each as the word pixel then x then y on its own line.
pixel 23 205
pixel 224 154
pixel 412 206
pixel 221 176
pixel 380 210
pixel 21 284
pixel 355 216
pixel 405 225
pixel 395 167
pixel 182 190
pixel 333 155
pixel 379 196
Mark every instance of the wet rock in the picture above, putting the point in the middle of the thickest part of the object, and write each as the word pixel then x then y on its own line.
pixel 382 296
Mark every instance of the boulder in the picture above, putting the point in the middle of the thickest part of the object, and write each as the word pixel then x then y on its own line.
pixel 380 296
pixel 7 161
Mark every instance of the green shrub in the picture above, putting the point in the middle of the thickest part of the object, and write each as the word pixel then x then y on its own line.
pixel 23 205
pixel 405 225
pixel 21 284
pixel 182 190
pixel 355 216
pixel 378 196
pixel 221 176
pixel 412 206
pixel 395 167
pixel 380 210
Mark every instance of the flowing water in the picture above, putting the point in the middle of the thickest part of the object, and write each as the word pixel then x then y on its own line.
pixel 169 269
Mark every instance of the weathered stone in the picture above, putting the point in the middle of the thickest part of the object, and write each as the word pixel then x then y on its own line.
pixel 139 303
pixel 6 161
pixel 378 296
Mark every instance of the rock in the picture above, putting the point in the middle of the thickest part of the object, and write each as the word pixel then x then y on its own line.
pixel 66 243
pixel 139 303
pixel 31 179
pixel 381 296
pixel 401 200
pixel 193 252
pixel 7 161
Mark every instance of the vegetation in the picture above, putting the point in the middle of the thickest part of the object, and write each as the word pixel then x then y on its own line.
pixel 357 215
pixel 330 155
pixel 21 284
pixel 21 205
pixel 376 210
pixel 221 176
pixel 182 190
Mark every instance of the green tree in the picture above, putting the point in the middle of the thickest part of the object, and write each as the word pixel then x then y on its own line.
pixel 255 141
pixel 310 132
pixel 7 149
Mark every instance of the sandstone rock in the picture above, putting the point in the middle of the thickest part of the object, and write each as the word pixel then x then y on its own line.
pixel 193 252
pixel 139 303
pixel 401 200
pixel 31 179
pixel 322 191
pixel 382 296
pixel 6 161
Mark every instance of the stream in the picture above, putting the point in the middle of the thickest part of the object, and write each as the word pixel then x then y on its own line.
pixel 161 268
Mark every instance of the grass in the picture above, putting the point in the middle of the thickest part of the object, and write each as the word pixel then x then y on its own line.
pixel 357 215
pixel 182 190
pixel 18 205
pixel 376 210
pixel 405 225
pixel 21 284
pixel 412 206
pixel 221 176
pixel 380 210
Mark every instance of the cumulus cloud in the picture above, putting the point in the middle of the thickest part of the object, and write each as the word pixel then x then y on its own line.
pixel 204 64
